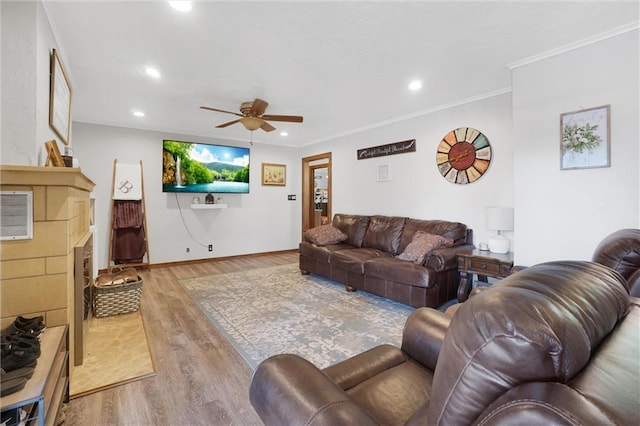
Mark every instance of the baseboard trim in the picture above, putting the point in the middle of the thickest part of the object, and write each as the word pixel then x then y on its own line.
pixel 209 259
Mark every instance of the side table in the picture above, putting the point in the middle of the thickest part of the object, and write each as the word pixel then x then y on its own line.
pixel 484 264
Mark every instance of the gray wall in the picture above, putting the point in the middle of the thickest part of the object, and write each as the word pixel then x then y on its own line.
pixel 559 214
pixel 416 188
pixel 563 214
pixel 27 43
pixel 261 221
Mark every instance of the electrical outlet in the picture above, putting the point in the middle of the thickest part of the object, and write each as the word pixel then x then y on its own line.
pixel 210 247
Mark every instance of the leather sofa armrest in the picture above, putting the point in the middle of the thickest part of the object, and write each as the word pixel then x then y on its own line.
pixel 357 369
pixel 423 335
pixel 446 258
pixel 633 284
pixel 287 389
pixel 543 403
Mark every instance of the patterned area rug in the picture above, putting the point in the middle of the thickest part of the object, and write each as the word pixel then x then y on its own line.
pixel 274 310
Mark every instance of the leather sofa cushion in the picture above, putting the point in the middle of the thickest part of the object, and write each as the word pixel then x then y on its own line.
pixel 354 226
pixel 392 269
pixel 609 380
pixel 353 260
pixel 384 233
pixel 395 394
pixel 454 230
pixel 320 253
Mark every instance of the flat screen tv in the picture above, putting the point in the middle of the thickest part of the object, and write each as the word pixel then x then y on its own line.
pixel 199 167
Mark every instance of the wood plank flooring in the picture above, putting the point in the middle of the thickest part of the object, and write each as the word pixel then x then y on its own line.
pixel 201 379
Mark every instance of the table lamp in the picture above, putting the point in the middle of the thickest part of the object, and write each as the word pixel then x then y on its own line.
pixel 499 219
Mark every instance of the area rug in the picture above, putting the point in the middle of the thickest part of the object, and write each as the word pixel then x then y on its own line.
pixel 116 352
pixel 274 310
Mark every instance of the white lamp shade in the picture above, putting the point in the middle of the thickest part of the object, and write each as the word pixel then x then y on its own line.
pixel 500 218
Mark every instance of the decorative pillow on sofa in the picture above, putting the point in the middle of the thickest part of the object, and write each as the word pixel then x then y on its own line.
pixel 324 235
pixel 421 245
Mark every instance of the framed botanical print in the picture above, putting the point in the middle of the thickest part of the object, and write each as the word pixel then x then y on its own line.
pixel 585 138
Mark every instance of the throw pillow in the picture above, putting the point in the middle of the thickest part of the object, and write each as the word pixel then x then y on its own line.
pixel 324 235
pixel 421 245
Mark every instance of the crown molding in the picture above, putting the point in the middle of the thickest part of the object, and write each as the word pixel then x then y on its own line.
pixel 415 114
pixel 576 45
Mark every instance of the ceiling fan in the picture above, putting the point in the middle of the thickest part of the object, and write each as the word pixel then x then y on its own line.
pixel 253 116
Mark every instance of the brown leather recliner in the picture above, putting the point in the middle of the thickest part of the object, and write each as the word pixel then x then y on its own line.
pixel 556 343
pixel 621 251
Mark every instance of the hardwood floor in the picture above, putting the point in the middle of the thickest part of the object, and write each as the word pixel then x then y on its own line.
pixel 200 379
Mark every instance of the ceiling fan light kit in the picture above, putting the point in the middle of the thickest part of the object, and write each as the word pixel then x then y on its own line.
pixel 252 116
pixel 251 123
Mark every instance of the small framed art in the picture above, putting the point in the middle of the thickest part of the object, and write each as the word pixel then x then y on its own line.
pixel 585 138
pixel 59 99
pixel 274 174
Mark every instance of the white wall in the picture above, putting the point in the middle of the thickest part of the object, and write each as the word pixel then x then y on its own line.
pixel 261 221
pixel 416 188
pixel 563 214
pixel 27 43
pixel 559 214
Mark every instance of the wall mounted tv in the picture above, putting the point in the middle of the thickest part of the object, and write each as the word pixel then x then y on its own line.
pixel 199 167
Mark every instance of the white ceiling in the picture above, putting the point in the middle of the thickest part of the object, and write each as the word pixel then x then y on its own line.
pixel 344 66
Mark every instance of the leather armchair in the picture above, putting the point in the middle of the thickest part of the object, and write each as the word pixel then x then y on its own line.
pixel 621 251
pixel 556 343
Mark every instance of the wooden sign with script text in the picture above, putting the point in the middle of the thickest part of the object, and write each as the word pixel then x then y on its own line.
pixel 388 149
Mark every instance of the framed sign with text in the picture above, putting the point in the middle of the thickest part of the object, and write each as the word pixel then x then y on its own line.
pixel 388 149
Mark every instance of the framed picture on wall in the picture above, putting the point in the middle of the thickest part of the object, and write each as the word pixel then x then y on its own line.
pixel 274 174
pixel 585 138
pixel 59 99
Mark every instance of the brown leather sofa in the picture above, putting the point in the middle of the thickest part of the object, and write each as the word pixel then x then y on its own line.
pixel 556 343
pixel 621 251
pixel 367 261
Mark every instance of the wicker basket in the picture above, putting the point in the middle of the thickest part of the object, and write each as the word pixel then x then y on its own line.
pixel 116 299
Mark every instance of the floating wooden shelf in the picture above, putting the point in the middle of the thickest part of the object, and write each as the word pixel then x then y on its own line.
pixel 208 206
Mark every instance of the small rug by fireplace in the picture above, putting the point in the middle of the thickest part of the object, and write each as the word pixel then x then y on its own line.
pixel 268 311
pixel 116 352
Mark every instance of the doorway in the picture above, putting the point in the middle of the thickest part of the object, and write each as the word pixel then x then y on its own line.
pixel 316 190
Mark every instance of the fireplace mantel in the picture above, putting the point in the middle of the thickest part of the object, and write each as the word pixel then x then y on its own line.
pixel 37 275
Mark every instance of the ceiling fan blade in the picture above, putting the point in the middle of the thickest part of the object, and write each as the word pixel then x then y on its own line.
pixel 258 108
pixel 229 123
pixel 221 110
pixel 267 127
pixel 289 118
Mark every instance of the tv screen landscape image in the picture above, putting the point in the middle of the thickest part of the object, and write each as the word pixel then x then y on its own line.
pixel 204 168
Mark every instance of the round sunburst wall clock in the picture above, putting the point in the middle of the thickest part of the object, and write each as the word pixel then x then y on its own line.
pixel 464 155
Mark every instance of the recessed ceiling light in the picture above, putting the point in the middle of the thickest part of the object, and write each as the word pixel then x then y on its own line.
pixel 415 85
pixel 181 5
pixel 152 72
pixel 284 134
pixel 138 113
